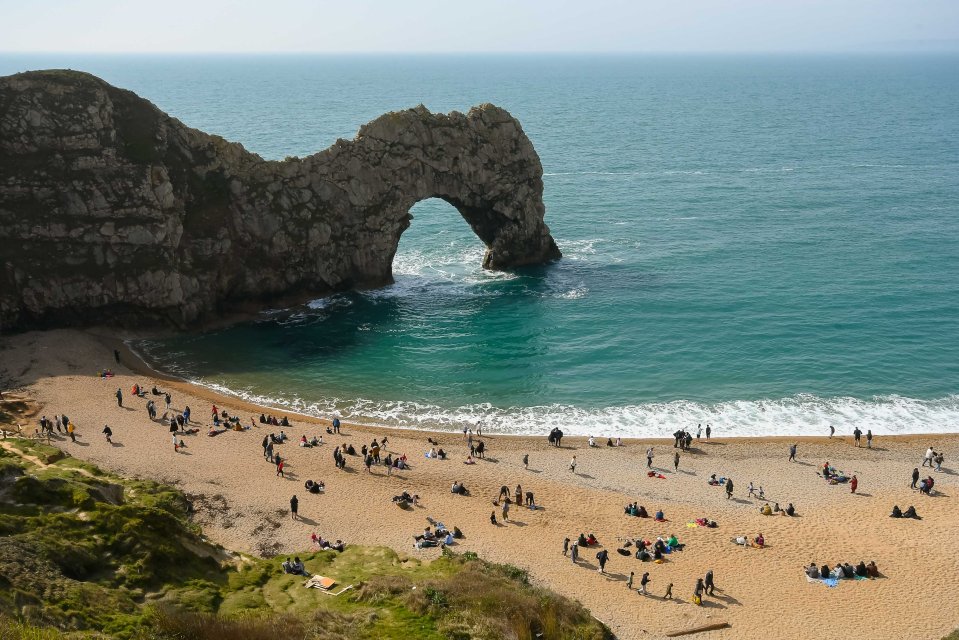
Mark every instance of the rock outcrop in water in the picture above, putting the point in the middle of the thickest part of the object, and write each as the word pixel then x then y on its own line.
pixel 112 211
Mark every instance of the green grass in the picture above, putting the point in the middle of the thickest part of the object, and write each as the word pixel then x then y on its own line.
pixel 85 552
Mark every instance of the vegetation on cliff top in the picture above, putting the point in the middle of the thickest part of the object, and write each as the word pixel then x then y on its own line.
pixel 87 554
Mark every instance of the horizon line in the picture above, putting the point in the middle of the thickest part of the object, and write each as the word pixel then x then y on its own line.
pixel 490 53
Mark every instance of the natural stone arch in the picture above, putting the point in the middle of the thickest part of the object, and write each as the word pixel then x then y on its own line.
pixel 113 211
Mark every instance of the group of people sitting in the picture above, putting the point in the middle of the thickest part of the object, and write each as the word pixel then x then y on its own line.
pixel 926 485
pixel 758 542
pixel 436 454
pixel 609 442
pixel 320 543
pixel 440 536
pixel 314 487
pixel 265 419
pixel 638 511
pixel 313 442
pixel 908 513
pixel 776 510
pixel 647 551
pixel 459 489
pixel 586 541
pixel 295 566
pixel 842 570
pixel 706 522
pixel 714 481
pixel 833 475
pixel 405 499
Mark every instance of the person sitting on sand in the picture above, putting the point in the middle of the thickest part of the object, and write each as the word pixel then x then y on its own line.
pixel 790 510
pixel 911 513
pixel 459 489
pixel 812 571
pixel 469 460
pixel 303 441
pixel 660 516
pixel 896 512
pixel 760 541
pixel 609 442
pixel 492 518
pixel 672 541
pixel 581 541
pixel 848 571
pixel 429 454
pixel 766 510
pixel 441 454
pixel 591 441
pixel 824 572
pixel 861 570
pixel 872 570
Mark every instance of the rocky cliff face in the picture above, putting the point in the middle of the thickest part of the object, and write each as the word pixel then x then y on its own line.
pixel 112 211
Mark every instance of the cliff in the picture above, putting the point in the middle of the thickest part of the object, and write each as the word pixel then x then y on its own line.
pixel 111 211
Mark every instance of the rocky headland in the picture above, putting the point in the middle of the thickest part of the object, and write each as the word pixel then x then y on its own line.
pixel 111 211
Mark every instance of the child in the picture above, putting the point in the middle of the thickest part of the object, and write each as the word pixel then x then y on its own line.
pixel 643 582
pixel 669 592
pixel 750 490
pixel 629 582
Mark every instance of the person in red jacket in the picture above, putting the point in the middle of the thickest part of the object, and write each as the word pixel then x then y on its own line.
pixel 854 483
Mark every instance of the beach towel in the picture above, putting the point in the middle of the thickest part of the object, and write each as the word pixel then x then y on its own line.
pixel 692 525
pixel 661 519
pixel 829 582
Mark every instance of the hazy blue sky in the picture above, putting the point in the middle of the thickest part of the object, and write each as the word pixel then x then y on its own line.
pixel 469 26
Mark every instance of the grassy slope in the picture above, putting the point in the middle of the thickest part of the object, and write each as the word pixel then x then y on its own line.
pixel 81 550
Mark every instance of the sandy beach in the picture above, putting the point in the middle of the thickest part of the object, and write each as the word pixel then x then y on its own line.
pixel 761 593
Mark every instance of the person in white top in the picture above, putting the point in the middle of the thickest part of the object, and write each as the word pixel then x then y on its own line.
pixel 929 456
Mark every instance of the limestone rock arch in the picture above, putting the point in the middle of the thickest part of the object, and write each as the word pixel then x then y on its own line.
pixel 112 211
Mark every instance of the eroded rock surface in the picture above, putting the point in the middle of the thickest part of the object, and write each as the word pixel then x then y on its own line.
pixel 112 211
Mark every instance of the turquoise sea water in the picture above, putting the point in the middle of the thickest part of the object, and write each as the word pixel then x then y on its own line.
pixel 767 244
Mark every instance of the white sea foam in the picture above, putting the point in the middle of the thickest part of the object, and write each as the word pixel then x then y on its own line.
pixel 797 415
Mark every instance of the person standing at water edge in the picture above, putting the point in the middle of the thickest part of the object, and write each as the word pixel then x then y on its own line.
pixel 709 430
pixel 857 434
pixel 649 458
pixel 526 461
pixel 832 431
pixel 792 453
pixel 572 464
pixel 869 439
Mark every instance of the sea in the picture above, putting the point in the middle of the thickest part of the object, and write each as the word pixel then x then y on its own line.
pixel 765 244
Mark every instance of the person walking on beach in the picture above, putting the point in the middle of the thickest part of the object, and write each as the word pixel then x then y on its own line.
pixel 669 592
pixel 709 430
pixel 832 431
pixel 930 454
pixel 279 467
pixel 699 431
pixel 526 461
pixel 294 505
pixel 565 546
pixel 729 488
pixel 649 458
pixel 750 490
pixel 792 452
pixel 119 395
pixel 698 592
pixel 857 435
pixel 676 461
pixel 108 432
pixel 572 464
pixel 72 431
pixel 869 439
pixel 708 583
pixel 506 509
pixel 643 582
pixel 602 557
pixel 176 445
pixel 574 553
pixel 336 425
pixel 629 581
pixel 853 483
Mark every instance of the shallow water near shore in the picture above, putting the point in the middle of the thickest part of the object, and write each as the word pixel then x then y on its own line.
pixel 769 245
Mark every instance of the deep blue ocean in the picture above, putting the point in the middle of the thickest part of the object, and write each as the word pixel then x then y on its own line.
pixel 766 244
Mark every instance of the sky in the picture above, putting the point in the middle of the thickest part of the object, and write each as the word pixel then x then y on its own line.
pixel 421 26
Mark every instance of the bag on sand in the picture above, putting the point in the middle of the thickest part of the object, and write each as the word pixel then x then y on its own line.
pixel 697 600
